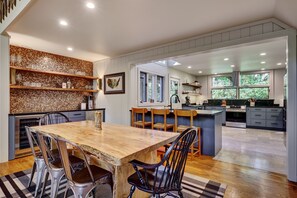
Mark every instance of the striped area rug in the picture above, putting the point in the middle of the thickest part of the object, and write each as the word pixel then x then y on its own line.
pixel 14 185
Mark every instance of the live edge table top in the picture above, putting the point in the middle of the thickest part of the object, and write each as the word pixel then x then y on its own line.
pixel 115 144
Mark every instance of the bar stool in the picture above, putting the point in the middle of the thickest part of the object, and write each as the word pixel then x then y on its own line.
pixel 134 118
pixel 180 128
pixel 159 125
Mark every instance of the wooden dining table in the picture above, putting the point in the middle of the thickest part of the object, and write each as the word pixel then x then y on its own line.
pixel 113 147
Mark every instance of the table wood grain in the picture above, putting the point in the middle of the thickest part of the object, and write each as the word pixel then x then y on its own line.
pixel 113 146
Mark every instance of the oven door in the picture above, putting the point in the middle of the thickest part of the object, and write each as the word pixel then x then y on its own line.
pixel 236 119
pixel 22 147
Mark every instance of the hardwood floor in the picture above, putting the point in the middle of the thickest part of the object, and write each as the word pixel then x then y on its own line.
pixel 242 181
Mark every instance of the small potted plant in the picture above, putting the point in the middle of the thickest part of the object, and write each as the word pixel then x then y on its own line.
pixel 252 102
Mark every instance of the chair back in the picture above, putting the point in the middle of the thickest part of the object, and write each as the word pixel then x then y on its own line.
pixel 135 112
pixel 184 113
pixel 33 140
pixel 162 112
pixel 63 144
pixel 47 143
pixel 53 118
pixel 172 166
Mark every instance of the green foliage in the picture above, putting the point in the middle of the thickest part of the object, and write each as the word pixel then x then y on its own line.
pixel 221 81
pixel 257 93
pixel 223 93
pixel 254 79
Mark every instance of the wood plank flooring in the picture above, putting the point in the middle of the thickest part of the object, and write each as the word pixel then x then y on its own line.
pixel 242 181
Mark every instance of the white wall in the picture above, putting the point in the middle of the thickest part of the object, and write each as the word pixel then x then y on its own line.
pixel 118 105
pixel 4 97
pixel 276 92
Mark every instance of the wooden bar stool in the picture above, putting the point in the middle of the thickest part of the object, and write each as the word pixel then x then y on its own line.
pixel 159 125
pixel 134 118
pixel 180 128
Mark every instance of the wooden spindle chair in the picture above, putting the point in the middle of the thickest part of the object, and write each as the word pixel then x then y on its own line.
pixel 165 176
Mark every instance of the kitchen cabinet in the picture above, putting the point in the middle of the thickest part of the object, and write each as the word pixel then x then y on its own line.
pixel 219 109
pixel 267 118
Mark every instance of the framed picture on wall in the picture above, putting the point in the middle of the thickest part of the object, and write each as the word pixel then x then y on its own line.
pixel 114 83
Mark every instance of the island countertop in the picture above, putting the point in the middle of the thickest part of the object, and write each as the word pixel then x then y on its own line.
pixel 200 112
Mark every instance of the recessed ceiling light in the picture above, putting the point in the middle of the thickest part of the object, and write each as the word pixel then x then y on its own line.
pixel 90 5
pixel 232 65
pixel 216 73
pixel 279 64
pixel 200 72
pixel 69 48
pixel 189 67
pixel 63 23
pixel 263 62
pixel 263 54
pixel 226 59
pixel 262 69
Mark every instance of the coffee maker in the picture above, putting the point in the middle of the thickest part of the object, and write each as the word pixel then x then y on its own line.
pixel 90 102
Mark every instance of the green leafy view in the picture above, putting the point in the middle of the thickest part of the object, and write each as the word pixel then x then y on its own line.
pixel 221 81
pixel 223 93
pixel 257 93
pixel 254 79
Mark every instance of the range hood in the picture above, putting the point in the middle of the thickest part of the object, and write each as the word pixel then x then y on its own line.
pixel 235 78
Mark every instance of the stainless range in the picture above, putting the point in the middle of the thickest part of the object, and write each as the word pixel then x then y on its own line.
pixel 236 116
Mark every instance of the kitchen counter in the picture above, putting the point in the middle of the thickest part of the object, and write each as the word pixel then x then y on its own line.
pixel 210 122
pixel 34 113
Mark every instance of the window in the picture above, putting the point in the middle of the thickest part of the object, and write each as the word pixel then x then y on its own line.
pixel 221 88
pixel 174 88
pixel 255 92
pixel 151 88
pixel 223 93
pixel 222 81
pixel 254 79
pixel 254 85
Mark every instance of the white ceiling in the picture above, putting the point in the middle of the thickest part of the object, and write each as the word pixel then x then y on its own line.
pixel 117 27
pixel 244 57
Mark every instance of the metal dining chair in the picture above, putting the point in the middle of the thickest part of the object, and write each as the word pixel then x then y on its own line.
pixel 39 163
pixel 54 167
pixel 82 182
pixel 165 176
pixel 53 118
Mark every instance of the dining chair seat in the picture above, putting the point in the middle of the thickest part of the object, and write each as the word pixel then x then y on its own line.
pixel 83 175
pixel 163 126
pixel 150 175
pixel 140 124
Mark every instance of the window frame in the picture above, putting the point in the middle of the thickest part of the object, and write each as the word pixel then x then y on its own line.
pixel 222 87
pixel 270 86
pixel 155 75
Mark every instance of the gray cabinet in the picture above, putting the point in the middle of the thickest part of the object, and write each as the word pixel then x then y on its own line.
pixel 271 118
pixel 75 116
pixel 219 109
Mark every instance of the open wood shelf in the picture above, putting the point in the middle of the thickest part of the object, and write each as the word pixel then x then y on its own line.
pixel 191 93
pixel 191 85
pixel 53 73
pixel 51 89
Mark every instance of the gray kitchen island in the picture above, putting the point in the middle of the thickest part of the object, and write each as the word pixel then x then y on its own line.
pixel 210 122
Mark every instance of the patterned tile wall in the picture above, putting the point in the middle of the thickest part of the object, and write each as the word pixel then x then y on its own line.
pixel 39 100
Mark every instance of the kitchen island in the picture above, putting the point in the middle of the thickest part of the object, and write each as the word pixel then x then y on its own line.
pixel 210 122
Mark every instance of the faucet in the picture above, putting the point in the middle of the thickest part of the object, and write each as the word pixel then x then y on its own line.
pixel 171 100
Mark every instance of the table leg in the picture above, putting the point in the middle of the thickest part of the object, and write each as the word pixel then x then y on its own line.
pixel 121 188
